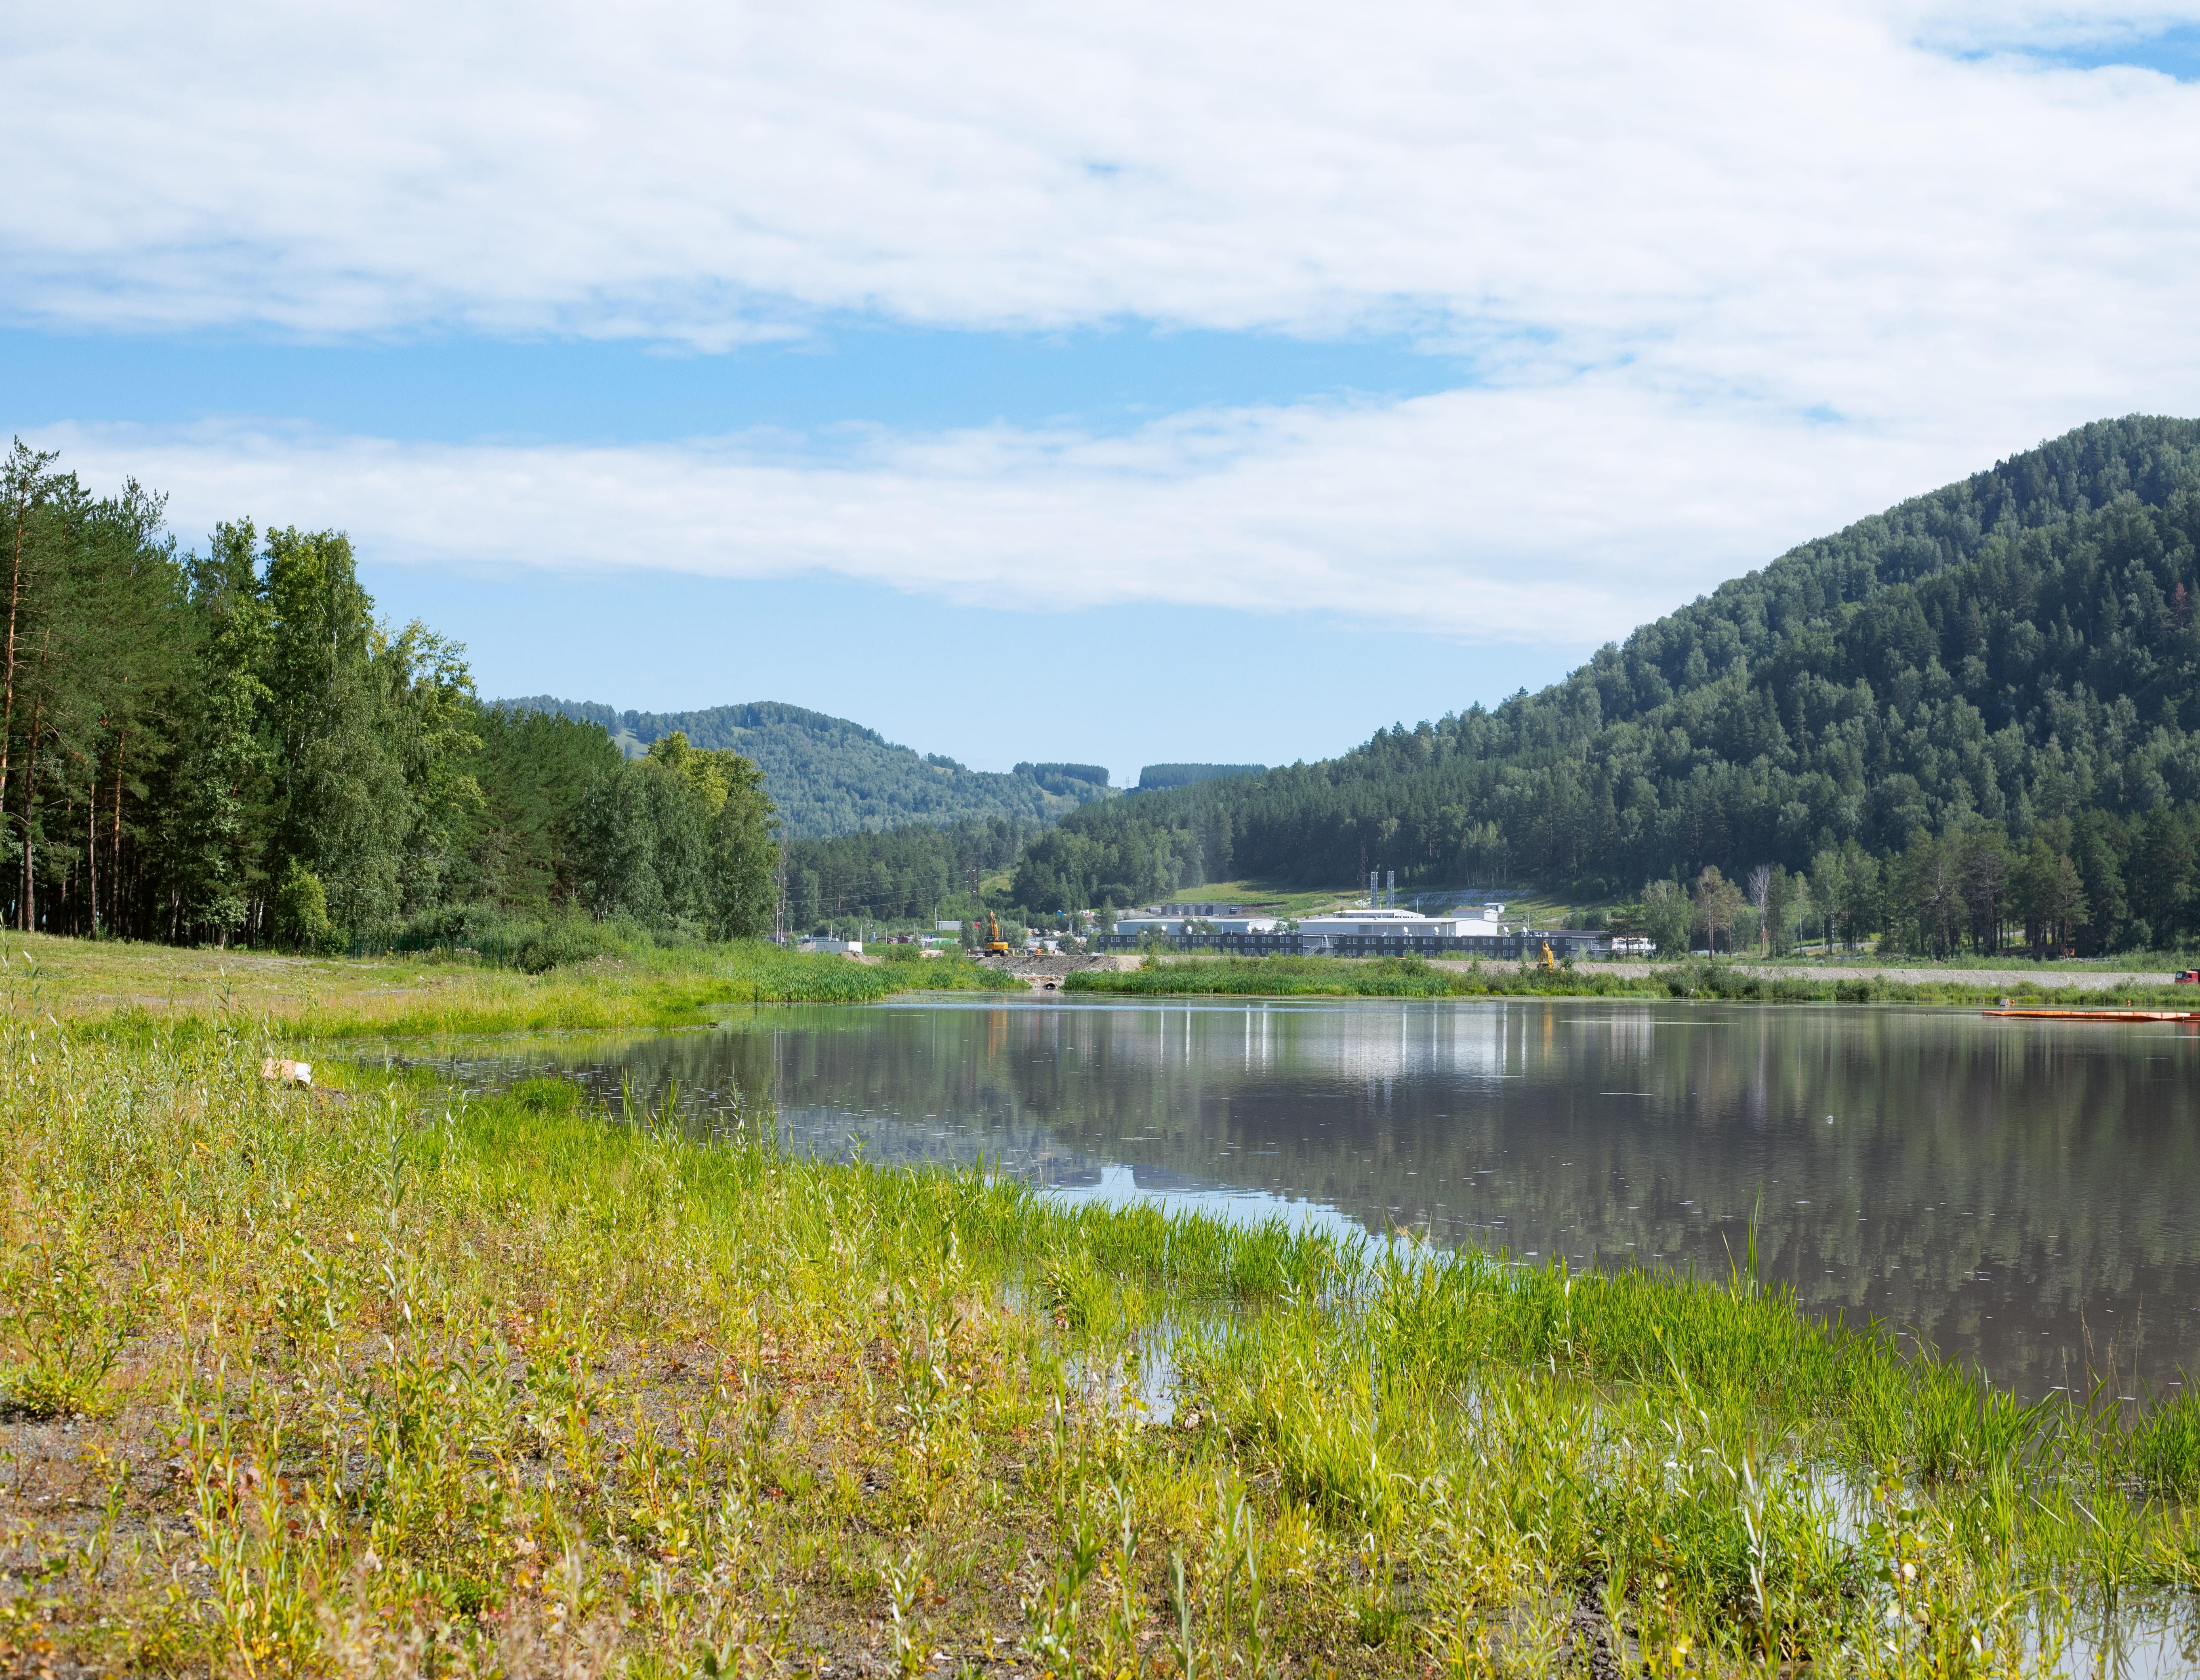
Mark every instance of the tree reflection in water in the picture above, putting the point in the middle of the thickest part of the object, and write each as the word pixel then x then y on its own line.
pixel 2019 1193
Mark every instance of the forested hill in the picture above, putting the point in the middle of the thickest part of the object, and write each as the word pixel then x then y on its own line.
pixel 828 776
pixel 2014 653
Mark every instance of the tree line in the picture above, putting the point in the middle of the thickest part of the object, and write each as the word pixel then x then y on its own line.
pixel 829 776
pixel 228 746
pixel 903 874
pixel 2009 666
pixel 2074 887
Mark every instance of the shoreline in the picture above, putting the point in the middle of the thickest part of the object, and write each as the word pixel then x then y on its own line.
pixel 386 1368
pixel 2010 979
pixel 131 990
pixel 1190 976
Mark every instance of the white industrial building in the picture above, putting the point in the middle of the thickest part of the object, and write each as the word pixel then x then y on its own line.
pixel 1484 921
pixel 1172 921
pixel 1132 923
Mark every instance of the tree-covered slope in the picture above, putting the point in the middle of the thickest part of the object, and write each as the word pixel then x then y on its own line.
pixel 829 776
pixel 1154 776
pixel 2016 651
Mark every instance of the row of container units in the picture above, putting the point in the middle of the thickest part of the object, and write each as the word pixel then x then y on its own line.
pixel 1564 942
pixel 1267 944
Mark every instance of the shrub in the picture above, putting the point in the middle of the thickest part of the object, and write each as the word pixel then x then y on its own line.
pixel 533 942
pixel 66 1332
pixel 301 911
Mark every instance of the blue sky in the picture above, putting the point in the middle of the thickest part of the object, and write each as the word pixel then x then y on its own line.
pixel 1151 385
pixel 1135 684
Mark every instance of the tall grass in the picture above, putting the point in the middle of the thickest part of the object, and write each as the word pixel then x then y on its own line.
pixel 404 1383
pixel 1417 976
pixel 644 983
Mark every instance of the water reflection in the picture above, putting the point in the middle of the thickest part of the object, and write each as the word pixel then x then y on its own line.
pixel 2016 1191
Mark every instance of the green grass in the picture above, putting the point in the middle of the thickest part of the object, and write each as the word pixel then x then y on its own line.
pixel 1413 977
pixel 133 985
pixel 402 1382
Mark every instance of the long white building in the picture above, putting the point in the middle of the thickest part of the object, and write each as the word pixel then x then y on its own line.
pixel 1133 922
pixel 1373 930
pixel 1487 920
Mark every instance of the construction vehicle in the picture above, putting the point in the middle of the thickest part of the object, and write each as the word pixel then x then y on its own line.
pixel 1550 962
pixel 995 946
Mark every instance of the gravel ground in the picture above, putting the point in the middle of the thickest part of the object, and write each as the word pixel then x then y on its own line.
pixel 1045 972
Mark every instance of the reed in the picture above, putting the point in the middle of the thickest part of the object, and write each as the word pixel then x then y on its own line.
pixel 2162 1453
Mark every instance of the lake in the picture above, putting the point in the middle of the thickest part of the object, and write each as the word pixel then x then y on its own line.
pixel 2019 1193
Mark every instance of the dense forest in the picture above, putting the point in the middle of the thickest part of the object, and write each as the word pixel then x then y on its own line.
pixel 913 873
pixel 828 776
pixel 1155 776
pixel 1971 720
pixel 1970 715
pixel 227 746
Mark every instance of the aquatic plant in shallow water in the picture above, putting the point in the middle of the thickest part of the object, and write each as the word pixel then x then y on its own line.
pixel 2162 1453
pixel 499 1380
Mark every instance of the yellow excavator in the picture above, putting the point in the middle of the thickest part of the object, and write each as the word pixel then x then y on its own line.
pixel 995 946
pixel 1550 961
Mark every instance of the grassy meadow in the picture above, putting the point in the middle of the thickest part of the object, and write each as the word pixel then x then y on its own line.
pixel 435 992
pixel 427 992
pixel 374 1379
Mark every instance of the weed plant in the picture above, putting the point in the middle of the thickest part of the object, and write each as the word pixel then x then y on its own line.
pixel 382 1381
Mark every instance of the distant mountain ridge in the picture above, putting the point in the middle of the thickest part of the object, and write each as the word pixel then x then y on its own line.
pixel 1984 701
pixel 830 776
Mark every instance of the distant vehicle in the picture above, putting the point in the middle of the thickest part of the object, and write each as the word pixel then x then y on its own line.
pixel 995 945
pixel 2188 976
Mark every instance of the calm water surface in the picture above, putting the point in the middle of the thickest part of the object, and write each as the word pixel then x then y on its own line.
pixel 2023 1193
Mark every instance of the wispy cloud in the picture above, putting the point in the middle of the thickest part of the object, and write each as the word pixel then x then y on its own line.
pixel 1733 272
pixel 1758 192
pixel 1449 513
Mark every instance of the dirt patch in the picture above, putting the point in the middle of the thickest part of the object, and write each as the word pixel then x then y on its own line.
pixel 1045 972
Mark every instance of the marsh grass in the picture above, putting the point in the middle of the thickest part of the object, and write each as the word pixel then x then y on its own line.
pixel 142 989
pixel 406 1383
pixel 1416 977
pixel 2162 1453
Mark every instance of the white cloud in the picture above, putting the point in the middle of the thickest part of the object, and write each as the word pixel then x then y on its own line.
pixel 1674 231
pixel 1778 195
pixel 1975 26
pixel 1449 513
